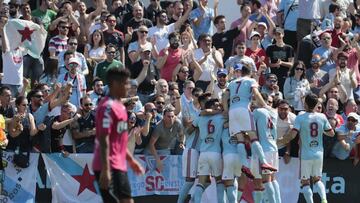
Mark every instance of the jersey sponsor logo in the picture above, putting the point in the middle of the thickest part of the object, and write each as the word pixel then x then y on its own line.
pixel 106 123
pixel 121 126
pixel 209 140
pixel 17 59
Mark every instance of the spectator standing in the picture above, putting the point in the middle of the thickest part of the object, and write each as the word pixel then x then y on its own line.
pixel 153 8
pixel 114 37
pixel 51 73
pixel 58 43
pixel 83 129
pixel 202 17
pixel 110 62
pixel 135 48
pixel 98 91
pixel 296 86
pixel 44 12
pixel 271 87
pixel 287 16
pixel 245 12
pixel 326 52
pixel 281 57
pixel 317 78
pixel 72 45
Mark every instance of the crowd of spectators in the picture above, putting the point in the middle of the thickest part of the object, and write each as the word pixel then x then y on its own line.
pixel 177 51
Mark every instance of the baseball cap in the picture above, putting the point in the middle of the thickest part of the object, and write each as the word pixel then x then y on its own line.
pixel 254 33
pixel 74 60
pixel 134 83
pixel 238 66
pixel 353 115
pixel 222 72
pixel 278 30
pixel 263 24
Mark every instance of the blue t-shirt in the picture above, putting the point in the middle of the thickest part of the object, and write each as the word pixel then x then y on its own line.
pixel 241 92
pixel 266 121
pixel 325 53
pixel 210 128
pixel 311 127
pixel 290 21
pixel 229 143
pixel 339 151
pixel 206 23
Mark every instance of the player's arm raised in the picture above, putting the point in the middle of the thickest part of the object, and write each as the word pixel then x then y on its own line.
pixel 260 101
pixel 225 103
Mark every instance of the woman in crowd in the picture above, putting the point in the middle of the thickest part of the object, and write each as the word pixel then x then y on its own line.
pixel 296 86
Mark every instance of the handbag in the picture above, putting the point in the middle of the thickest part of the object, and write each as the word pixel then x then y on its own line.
pixel 20 159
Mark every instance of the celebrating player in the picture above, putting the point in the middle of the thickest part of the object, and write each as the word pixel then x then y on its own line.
pixel 311 126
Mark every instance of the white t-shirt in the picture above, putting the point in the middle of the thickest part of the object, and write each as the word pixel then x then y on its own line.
pixel 13 67
pixel 283 126
pixel 344 80
pixel 161 35
pixel 208 67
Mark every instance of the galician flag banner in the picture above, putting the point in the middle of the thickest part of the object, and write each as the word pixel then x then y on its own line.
pixel 19 183
pixel 26 34
pixel 72 179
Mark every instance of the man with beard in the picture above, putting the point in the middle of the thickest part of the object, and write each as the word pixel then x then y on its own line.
pixel 77 81
pixel 58 43
pixel 285 122
pixel 326 52
pixel 98 91
pixel 44 13
pixel 83 130
pixel 342 75
pixel 218 89
pixel 337 32
pixel 316 77
pixel 170 57
pixel 335 121
pixel 161 32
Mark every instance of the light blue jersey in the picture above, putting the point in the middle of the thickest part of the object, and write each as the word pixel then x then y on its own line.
pixel 339 151
pixel 266 121
pixel 241 92
pixel 229 143
pixel 311 127
pixel 210 128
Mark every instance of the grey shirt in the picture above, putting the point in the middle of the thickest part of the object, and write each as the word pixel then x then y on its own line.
pixel 166 137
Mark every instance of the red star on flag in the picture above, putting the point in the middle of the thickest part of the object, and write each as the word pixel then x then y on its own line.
pixel 86 180
pixel 26 34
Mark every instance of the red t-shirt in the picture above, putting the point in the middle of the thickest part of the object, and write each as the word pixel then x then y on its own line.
pixel 172 61
pixel 111 120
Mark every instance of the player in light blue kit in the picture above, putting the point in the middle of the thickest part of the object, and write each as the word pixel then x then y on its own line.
pixel 236 102
pixel 232 166
pixel 210 162
pixel 265 121
pixel 311 126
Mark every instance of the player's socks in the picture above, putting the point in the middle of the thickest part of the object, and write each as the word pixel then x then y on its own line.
pixel 199 189
pixel 239 194
pixel 277 191
pixel 320 188
pixel 220 190
pixel 231 194
pixel 308 195
pixel 258 150
pixel 184 191
pixel 258 195
pixel 242 153
pixel 270 192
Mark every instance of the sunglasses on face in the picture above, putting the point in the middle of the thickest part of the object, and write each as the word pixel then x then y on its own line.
pixel 299 69
pixel 88 104
pixel 159 102
pixel 143 31
pixel 111 21
pixel 38 96
pixel 272 81
pixel 73 65
pixel 184 71
pixel 64 27
pixel 111 52
pixel 73 44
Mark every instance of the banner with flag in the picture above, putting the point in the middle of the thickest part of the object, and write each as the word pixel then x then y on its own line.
pixel 19 184
pixel 72 179
pixel 26 34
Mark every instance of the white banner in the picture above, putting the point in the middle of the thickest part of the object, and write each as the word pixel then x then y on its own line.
pixel 19 183
pixel 72 179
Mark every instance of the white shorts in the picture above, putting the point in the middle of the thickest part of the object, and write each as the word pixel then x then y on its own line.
pixel 210 163
pixel 271 158
pixel 310 168
pixel 232 166
pixel 240 119
pixel 190 159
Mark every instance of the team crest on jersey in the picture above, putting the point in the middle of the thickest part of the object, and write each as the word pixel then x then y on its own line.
pixel 235 99
pixel 314 143
pixel 121 126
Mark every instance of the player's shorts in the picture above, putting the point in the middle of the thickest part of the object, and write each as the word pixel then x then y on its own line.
pixel 232 166
pixel 190 159
pixel 310 168
pixel 271 157
pixel 240 119
pixel 210 163
pixel 119 186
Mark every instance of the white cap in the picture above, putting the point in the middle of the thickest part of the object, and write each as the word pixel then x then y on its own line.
pixel 354 115
pixel 74 60
pixel 254 33
pixel 263 24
